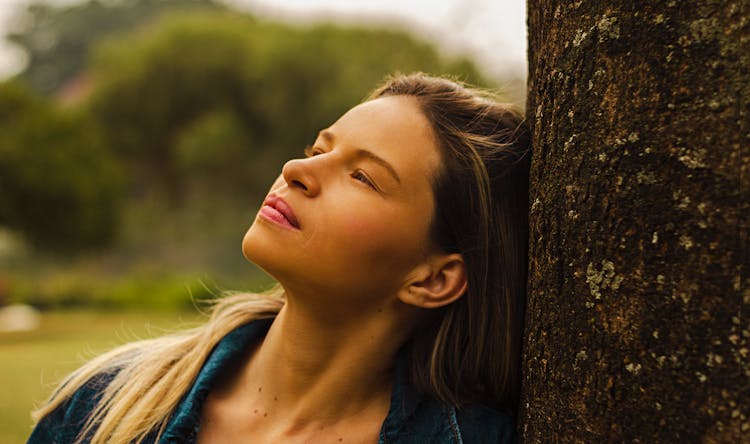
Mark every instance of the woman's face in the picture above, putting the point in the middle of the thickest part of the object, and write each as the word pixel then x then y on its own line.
pixel 363 204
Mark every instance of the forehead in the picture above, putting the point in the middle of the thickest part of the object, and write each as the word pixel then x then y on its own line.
pixel 395 129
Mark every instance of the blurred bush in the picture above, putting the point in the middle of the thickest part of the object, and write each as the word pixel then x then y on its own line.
pixel 210 145
pixel 60 186
pixel 169 291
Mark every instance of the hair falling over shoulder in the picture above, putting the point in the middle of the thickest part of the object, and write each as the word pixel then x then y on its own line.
pixel 153 375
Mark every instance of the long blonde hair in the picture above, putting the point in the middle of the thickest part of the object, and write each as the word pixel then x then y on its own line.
pixel 152 375
pixel 467 352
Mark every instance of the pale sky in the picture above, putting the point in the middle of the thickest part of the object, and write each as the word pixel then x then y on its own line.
pixel 492 32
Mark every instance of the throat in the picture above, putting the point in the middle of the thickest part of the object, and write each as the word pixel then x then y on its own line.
pixel 309 381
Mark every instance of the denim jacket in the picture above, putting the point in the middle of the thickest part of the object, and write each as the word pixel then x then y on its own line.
pixel 412 417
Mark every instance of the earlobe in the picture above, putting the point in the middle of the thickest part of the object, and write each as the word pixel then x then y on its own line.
pixel 437 283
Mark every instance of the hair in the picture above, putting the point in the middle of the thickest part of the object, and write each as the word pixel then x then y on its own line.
pixel 471 351
pixel 467 352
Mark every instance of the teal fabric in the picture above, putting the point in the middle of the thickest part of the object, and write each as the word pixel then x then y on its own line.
pixel 412 418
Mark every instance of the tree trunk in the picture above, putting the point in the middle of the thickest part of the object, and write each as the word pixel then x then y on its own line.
pixel 637 324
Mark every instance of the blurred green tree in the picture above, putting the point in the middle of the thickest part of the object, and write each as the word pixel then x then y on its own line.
pixel 210 146
pixel 57 39
pixel 268 87
pixel 59 184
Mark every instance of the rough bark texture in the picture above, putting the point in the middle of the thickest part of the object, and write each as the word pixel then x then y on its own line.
pixel 638 323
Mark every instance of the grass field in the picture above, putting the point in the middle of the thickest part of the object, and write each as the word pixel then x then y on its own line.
pixel 32 363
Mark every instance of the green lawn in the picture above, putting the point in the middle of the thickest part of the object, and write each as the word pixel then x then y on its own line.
pixel 31 363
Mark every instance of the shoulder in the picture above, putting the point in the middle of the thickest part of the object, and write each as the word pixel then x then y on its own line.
pixel 438 422
pixel 482 424
pixel 417 416
pixel 66 421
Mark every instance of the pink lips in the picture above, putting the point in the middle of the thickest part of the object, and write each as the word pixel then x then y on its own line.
pixel 277 210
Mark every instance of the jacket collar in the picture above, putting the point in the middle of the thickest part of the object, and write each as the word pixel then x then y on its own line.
pixel 184 423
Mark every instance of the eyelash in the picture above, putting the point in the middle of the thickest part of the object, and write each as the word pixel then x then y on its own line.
pixel 357 175
pixel 309 152
pixel 364 179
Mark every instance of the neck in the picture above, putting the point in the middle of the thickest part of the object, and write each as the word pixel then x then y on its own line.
pixel 314 372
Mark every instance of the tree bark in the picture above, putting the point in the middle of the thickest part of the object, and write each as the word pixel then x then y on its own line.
pixel 637 325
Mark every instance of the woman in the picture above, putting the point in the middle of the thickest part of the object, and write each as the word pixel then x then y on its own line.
pixel 399 244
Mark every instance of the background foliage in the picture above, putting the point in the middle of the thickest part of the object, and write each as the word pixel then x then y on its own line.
pixel 57 41
pixel 59 183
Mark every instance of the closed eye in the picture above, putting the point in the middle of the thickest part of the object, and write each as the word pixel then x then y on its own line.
pixel 310 151
pixel 360 176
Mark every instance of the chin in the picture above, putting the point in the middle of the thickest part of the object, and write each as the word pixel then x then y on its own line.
pixel 257 249
pixel 249 246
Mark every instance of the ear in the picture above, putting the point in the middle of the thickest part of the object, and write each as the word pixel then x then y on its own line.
pixel 435 283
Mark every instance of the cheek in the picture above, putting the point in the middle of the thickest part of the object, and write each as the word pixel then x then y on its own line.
pixel 363 229
pixel 382 240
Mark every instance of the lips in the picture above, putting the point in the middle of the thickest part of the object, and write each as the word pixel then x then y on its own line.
pixel 282 207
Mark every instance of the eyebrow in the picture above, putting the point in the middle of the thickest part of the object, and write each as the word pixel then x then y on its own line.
pixel 363 153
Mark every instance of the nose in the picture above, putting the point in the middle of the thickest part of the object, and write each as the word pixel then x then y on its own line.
pixel 297 174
